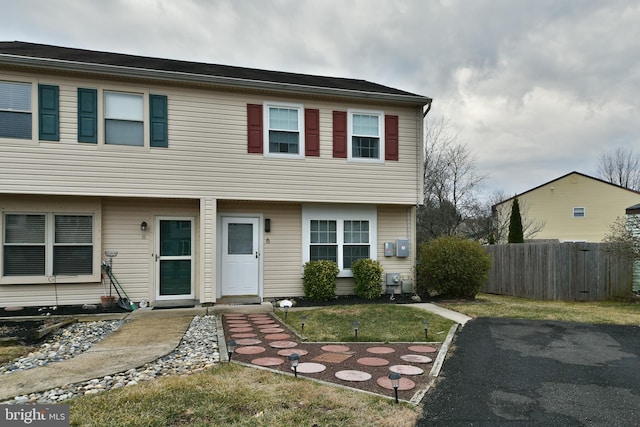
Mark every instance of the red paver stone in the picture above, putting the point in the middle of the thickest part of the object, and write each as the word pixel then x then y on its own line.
pixel 416 358
pixel 277 337
pixel 350 375
pixel 310 368
pixel 264 322
pixel 248 341
pixel 244 335
pixel 404 383
pixel 423 349
pixel 271 330
pixel 335 348
pixel 268 361
pixel 380 350
pixel 238 322
pixel 406 369
pixel 234 316
pixel 250 350
pixel 289 351
pixel 373 361
pixel 283 344
pixel 259 316
pixel 232 330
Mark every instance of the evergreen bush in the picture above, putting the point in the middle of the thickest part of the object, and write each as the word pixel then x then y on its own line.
pixel 452 266
pixel 367 274
pixel 319 280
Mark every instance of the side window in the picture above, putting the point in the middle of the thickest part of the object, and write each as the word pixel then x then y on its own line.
pixel 123 118
pixel 15 110
pixel 579 212
pixel 284 129
pixel 365 136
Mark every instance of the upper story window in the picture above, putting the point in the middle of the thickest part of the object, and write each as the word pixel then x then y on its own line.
pixel 284 130
pixel 123 119
pixel 365 140
pixel 15 110
pixel 579 212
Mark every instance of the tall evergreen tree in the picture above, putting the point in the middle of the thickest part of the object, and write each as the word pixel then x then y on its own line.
pixel 516 235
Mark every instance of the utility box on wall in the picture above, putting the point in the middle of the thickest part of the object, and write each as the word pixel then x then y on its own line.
pixel 389 249
pixel 402 248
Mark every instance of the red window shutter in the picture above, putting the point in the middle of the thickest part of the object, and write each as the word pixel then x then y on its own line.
pixel 391 137
pixel 312 132
pixel 340 134
pixel 254 128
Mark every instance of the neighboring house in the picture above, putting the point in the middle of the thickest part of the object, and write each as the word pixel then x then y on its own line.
pixel 633 226
pixel 573 208
pixel 210 181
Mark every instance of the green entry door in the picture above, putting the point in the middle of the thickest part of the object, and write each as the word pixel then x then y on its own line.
pixel 174 258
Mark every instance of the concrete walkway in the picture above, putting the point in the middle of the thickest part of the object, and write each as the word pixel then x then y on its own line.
pixel 146 335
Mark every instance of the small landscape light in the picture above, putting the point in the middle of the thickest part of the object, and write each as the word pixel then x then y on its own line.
pixel 426 330
pixel 231 347
pixel 294 358
pixel 395 382
pixel 286 305
pixel 303 320
pixel 356 326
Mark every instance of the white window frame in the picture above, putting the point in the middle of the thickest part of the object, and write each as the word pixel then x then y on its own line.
pixel 145 114
pixel 301 127
pixel 579 212
pixel 33 101
pixel 49 244
pixel 381 153
pixel 340 214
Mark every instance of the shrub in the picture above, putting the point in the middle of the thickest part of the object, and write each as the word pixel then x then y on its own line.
pixel 452 266
pixel 367 274
pixel 319 280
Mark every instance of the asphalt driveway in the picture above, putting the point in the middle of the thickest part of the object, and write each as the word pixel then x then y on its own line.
pixel 540 373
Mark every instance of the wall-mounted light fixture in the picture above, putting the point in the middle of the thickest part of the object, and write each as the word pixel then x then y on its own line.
pixel 267 225
pixel 143 226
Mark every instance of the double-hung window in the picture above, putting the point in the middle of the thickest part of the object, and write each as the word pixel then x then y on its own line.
pixel 48 244
pixel 15 110
pixel 284 129
pixel 366 130
pixel 342 235
pixel 124 118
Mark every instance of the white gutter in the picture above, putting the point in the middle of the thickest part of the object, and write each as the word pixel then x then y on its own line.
pixel 93 68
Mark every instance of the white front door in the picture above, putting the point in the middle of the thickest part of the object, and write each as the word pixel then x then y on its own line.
pixel 174 244
pixel 240 256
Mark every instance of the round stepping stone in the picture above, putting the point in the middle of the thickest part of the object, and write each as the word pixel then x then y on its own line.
pixel 238 322
pixel 244 335
pixel 234 316
pixel 289 351
pixel 335 348
pixel 403 384
pixel 271 330
pixel 248 341
pixel 259 316
pixel 416 358
pixel 283 344
pixel 277 337
pixel 250 349
pixel 354 376
pixel 380 350
pixel 310 368
pixel 264 322
pixel 423 349
pixel 232 330
pixel 268 361
pixel 373 361
pixel 406 369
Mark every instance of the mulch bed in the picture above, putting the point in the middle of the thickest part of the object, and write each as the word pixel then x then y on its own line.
pixel 254 331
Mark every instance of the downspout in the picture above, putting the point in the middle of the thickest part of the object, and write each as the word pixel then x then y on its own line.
pixel 420 116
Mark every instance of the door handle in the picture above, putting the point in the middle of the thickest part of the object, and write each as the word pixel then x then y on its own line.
pixel 157 256
pixel 257 255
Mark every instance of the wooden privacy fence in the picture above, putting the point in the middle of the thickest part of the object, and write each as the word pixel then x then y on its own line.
pixel 558 271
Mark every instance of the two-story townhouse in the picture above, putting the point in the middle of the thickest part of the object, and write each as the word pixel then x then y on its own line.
pixel 212 183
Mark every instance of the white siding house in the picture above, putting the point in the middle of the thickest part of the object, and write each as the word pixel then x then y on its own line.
pixel 209 181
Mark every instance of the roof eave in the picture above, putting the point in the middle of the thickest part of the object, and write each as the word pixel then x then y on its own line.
pixel 133 72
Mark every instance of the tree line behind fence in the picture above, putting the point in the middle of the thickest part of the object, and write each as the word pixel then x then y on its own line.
pixel 559 271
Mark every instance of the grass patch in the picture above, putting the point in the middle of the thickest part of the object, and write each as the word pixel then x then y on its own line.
pixel 594 312
pixel 378 323
pixel 233 395
pixel 11 352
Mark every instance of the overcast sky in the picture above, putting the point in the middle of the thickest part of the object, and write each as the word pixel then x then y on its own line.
pixel 536 88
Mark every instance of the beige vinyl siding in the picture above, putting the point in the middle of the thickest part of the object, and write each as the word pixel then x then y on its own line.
pixel 553 203
pixel 207 250
pixel 134 266
pixel 396 222
pixel 207 154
